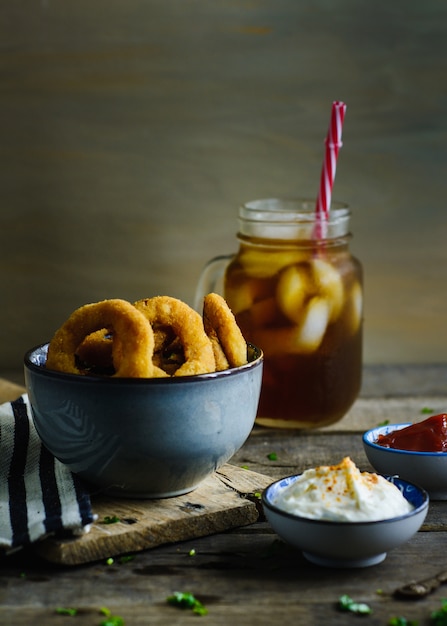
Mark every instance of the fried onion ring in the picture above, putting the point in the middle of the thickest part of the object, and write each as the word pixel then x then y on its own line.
pixel 225 335
pixel 170 355
pixel 187 324
pixel 133 338
pixel 219 355
pixel 95 353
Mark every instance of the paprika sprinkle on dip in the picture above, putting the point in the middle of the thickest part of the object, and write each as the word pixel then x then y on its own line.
pixel 342 493
pixel 427 436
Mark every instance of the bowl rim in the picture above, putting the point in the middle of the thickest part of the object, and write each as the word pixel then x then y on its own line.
pixel 372 433
pixel 170 380
pixel 346 524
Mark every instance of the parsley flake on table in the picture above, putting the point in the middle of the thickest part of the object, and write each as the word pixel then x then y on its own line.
pixel 111 620
pixel 272 456
pixel 62 610
pixel 187 601
pixel 110 519
pixel 345 603
pixel 401 621
pixel 126 558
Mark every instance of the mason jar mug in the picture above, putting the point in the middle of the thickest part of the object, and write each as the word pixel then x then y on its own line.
pixel 296 292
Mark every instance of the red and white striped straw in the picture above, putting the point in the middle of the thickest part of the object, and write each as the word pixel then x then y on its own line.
pixel 333 143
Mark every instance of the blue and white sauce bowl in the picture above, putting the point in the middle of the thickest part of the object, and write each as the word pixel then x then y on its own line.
pixel 345 544
pixel 427 469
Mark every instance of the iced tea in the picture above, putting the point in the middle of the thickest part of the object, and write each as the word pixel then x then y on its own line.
pixel 300 300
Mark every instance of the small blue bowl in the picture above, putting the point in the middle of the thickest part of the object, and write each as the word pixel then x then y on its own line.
pixel 345 544
pixel 143 437
pixel 427 469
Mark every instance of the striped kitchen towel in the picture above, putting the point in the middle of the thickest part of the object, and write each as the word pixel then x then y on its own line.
pixel 39 496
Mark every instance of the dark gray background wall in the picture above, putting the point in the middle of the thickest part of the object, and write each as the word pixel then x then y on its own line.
pixel 131 131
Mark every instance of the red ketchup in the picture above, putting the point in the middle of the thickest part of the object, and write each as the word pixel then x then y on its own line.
pixel 427 436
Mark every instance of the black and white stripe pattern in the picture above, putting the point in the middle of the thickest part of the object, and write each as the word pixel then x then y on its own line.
pixel 38 495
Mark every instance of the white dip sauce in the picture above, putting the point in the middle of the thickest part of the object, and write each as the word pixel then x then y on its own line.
pixel 343 493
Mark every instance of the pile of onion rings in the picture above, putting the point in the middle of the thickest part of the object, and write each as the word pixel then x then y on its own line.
pixel 152 338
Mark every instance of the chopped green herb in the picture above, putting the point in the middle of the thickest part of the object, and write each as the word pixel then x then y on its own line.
pixel 345 603
pixel 66 611
pixel 244 467
pixel 427 409
pixel 439 617
pixel 110 561
pixel 192 552
pixel 110 519
pixel 384 423
pixel 272 456
pixel 401 621
pixel 186 601
pixel 111 620
pixel 126 558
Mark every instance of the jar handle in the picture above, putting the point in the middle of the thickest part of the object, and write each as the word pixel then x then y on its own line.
pixel 211 279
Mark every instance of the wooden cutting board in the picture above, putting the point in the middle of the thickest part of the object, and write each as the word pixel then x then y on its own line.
pixel 227 499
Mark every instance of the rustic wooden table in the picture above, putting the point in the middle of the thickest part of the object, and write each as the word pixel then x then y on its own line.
pixel 245 575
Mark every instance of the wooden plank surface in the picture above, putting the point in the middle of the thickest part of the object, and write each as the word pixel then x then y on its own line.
pixel 369 412
pixel 243 575
pixel 224 500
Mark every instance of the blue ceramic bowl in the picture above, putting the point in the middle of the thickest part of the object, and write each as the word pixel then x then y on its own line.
pixel 146 438
pixel 427 469
pixel 345 544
